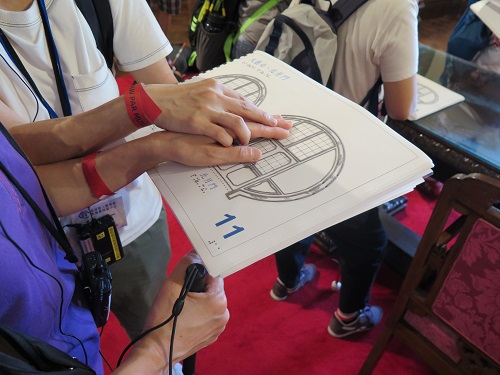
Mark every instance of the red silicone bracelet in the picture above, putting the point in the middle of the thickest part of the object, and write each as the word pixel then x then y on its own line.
pixel 95 182
pixel 141 109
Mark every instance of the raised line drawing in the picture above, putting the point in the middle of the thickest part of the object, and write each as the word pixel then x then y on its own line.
pixel 270 178
pixel 250 87
pixel 427 95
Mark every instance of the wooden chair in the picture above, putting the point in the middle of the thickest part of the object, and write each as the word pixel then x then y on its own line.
pixel 448 308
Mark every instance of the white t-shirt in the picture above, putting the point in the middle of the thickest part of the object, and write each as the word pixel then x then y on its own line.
pixel 89 82
pixel 380 38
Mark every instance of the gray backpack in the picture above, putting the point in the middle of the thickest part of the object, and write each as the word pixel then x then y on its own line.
pixel 305 37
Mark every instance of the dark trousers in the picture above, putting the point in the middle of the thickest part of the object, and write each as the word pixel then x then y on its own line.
pixel 360 241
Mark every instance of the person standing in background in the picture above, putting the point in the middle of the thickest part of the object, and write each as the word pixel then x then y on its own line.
pixel 379 40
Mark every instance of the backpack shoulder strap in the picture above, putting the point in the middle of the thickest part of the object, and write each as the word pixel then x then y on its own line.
pixel 279 21
pixel 342 10
pixel 372 98
pixel 100 19
pixel 233 38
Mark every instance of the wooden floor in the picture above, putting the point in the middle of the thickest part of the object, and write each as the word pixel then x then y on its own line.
pixel 433 32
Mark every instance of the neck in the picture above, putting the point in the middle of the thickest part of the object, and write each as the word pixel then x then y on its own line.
pixel 15 5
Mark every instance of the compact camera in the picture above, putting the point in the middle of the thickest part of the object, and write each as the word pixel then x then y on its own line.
pixel 95 277
pixel 101 246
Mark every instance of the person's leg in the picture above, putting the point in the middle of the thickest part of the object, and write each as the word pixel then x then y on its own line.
pixel 293 273
pixel 290 260
pixel 360 241
pixel 138 276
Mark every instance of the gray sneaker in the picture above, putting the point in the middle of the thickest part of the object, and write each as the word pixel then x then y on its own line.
pixel 368 318
pixel 280 291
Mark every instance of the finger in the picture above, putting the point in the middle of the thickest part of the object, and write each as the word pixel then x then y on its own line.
pixel 233 126
pixel 246 109
pixel 214 285
pixel 282 123
pixel 231 155
pixel 262 131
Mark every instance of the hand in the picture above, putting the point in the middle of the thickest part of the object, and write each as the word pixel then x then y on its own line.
pixel 199 150
pixel 200 323
pixel 209 108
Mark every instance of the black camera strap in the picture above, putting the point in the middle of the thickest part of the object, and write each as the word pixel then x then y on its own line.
pixel 53 226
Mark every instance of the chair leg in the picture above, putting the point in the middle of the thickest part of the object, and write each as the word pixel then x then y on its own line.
pixel 376 352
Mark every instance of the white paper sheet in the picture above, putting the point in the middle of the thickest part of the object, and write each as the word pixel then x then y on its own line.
pixel 432 97
pixel 489 12
pixel 338 162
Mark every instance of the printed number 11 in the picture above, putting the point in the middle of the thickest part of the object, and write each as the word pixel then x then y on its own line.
pixel 236 228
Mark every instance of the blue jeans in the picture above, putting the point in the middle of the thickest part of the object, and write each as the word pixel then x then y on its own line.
pixel 360 241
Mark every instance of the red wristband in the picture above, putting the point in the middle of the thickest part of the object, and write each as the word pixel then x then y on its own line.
pixel 95 182
pixel 141 109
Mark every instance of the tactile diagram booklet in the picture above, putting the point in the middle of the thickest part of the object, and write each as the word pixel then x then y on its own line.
pixel 338 161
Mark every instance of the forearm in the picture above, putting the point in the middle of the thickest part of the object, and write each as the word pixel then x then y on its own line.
pixel 64 138
pixel 401 98
pixel 142 361
pixel 69 191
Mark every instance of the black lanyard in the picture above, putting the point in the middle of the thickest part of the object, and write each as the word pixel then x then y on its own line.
pixel 56 65
pixel 54 226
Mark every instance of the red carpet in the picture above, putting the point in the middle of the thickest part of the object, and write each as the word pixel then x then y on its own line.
pixel 290 337
pixel 265 337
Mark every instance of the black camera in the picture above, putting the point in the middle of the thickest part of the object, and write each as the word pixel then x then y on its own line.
pixel 95 277
pixel 101 246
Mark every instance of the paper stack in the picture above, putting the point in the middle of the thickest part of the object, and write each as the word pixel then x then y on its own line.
pixel 489 12
pixel 338 162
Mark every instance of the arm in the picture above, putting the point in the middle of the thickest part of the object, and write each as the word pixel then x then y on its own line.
pixel 158 72
pixel 401 98
pixel 68 190
pixel 200 323
pixel 203 108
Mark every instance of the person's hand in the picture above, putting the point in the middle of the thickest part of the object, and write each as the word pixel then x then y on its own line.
pixel 198 150
pixel 210 108
pixel 200 323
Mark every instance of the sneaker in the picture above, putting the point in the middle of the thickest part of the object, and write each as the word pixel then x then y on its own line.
pixel 368 318
pixel 280 291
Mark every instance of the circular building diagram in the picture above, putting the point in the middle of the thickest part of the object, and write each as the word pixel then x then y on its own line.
pixel 426 95
pixel 299 166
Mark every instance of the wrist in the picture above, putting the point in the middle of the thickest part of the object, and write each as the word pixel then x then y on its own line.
pixel 143 361
pixel 141 109
pixel 96 184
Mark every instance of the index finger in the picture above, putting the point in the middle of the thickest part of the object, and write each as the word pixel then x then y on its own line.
pixel 247 110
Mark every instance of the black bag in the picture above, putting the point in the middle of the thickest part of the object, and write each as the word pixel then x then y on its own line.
pixel 211 24
pixel 214 30
pixel 21 354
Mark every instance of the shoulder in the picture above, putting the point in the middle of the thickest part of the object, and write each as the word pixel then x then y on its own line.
pixel 391 10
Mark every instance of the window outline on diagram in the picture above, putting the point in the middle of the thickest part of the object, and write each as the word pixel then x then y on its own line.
pixel 309 139
pixel 426 95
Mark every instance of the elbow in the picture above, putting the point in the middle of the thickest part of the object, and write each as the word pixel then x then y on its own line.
pixel 402 110
pixel 400 114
